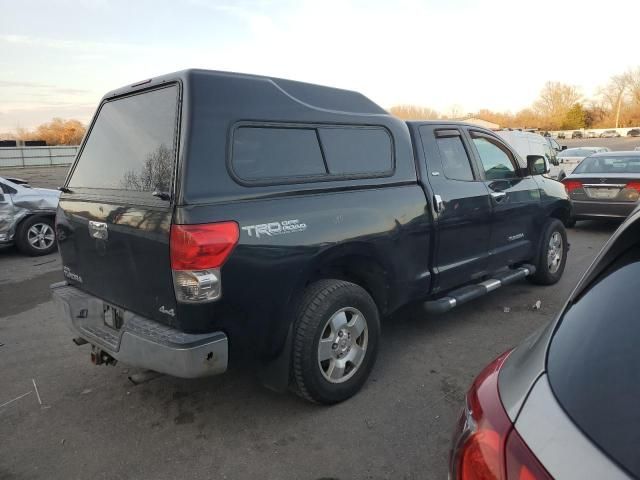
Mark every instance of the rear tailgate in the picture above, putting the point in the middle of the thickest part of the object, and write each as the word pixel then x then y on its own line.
pixel 114 223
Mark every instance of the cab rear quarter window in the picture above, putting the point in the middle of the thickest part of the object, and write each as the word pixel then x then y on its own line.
pixel 277 154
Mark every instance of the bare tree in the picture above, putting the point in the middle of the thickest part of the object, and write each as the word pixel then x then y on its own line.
pixel 156 172
pixel 455 112
pixel 614 94
pixel 556 99
pixel 414 112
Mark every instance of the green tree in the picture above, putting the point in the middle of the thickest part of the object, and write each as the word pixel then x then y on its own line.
pixel 576 117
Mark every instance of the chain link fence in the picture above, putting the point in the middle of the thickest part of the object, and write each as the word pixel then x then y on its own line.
pixel 37 156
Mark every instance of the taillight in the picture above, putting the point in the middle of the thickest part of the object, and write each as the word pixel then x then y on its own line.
pixel 633 186
pixel 486 447
pixel 197 254
pixel 631 192
pixel 571 185
pixel 521 463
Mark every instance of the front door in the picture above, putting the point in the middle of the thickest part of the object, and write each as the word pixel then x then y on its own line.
pixel 462 207
pixel 515 198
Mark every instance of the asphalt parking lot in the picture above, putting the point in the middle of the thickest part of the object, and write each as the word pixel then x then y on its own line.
pixel 61 417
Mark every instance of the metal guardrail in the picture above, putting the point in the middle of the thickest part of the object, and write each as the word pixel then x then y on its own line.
pixel 37 156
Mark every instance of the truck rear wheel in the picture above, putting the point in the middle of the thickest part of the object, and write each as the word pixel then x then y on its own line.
pixel 552 254
pixel 335 342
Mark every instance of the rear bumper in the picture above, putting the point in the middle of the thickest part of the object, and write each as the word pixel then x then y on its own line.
pixel 593 209
pixel 141 342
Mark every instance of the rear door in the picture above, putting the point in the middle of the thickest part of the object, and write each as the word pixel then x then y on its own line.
pixel 462 204
pixel 114 222
pixel 515 200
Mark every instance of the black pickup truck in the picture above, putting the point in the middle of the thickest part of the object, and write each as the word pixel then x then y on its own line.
pixel 211 215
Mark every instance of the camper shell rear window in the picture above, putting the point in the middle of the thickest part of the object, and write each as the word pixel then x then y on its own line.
pixel 132 144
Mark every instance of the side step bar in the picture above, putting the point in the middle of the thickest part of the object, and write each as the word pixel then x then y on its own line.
pixel 471 292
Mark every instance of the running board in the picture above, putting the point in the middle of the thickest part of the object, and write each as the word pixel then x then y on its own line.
pixel 471 292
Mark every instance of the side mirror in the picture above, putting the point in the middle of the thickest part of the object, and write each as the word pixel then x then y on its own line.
pixel 537 165
pixel 563 147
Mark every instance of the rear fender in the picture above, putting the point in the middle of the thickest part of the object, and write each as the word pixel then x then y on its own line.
pixel 275 373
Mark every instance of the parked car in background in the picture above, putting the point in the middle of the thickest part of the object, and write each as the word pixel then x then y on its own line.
pixel 605 185
pixel 561 135
pixel 571 157
pixel 563 404
pixel 609 134
pixel 27 216
pixel 634 132
pixel 577 134
pixel 591 134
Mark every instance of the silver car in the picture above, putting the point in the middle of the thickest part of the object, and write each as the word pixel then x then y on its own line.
pixel 570 158
pixel 27 216
pixel 564 404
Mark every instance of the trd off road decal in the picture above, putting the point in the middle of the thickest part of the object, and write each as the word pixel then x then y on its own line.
pixel 272 229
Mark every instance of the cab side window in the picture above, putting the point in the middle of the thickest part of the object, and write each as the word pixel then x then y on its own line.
pixel 497 161
pixel 455 161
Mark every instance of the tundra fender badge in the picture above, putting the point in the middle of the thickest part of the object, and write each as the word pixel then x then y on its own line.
pixel 517 236
pixel 66 271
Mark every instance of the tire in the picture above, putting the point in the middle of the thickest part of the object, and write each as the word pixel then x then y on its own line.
pixel 36 236
pixel 549 272
pixel 334 311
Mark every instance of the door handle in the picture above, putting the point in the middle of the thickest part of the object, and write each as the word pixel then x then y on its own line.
pixel 498 196
pixel 438 204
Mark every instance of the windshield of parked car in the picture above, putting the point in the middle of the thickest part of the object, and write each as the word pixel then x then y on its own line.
pixel 594 361
pixel 575 152
pixel 630 164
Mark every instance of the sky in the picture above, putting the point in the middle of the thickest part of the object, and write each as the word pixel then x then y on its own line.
pixel 58 57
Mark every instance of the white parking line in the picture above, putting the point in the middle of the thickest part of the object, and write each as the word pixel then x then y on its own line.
pixel 36 387
pixel 17 398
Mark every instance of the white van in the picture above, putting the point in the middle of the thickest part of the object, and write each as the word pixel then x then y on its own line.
pixel 529 143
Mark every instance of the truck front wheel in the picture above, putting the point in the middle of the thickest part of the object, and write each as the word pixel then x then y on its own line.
pixel 552 253
pixel 335 341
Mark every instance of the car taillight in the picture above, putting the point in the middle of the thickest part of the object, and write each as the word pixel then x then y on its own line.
pixel 521 462
pixel 485 446
pixel 633 186
pixel 197 254
pixel 631 192
pixel 571 185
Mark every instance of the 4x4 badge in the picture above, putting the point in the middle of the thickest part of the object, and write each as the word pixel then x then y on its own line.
pixel 169 312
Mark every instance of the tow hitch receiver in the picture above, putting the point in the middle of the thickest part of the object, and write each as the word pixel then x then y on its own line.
pixel 100 357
